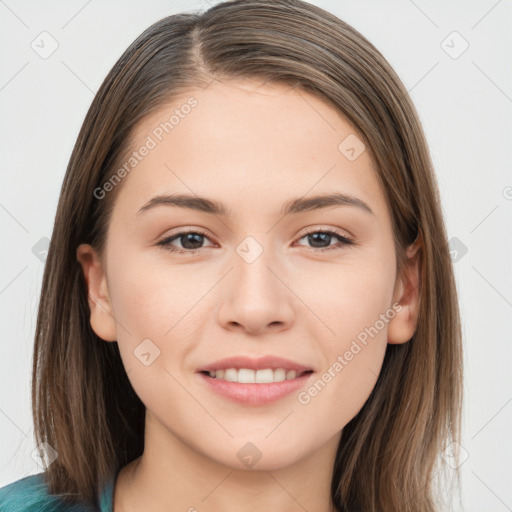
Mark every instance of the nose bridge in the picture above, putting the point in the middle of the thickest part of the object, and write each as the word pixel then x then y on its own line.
pixel 255 297
pixel 253 259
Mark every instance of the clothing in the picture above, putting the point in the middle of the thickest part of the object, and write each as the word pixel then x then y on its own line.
pixel 30 494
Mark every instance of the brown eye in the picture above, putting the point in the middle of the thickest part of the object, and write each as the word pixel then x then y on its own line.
pixel 321 239
pixel 191 241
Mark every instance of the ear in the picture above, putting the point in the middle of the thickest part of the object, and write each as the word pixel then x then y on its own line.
pixel 102 317
pixel 407 293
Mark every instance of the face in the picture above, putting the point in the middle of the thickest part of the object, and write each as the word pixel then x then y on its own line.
pixel 316 286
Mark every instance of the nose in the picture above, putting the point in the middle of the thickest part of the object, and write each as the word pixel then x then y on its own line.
pixel 256 297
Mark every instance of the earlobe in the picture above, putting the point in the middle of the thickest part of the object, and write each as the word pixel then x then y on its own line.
pixel 102 315
pixel 402 326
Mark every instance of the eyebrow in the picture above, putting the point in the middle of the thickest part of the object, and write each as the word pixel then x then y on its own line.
pixel 293 206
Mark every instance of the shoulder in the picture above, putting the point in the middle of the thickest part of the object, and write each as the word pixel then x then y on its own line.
pixel 31 493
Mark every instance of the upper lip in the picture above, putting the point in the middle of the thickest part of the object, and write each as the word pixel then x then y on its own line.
pixel 254 364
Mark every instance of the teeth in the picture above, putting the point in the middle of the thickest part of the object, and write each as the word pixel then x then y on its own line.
pixel 247 376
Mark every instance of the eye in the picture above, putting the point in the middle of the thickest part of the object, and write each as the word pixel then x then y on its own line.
pixel 326 236
pixel 190 241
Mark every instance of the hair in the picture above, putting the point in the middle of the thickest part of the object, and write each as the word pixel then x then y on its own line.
pixel 83 404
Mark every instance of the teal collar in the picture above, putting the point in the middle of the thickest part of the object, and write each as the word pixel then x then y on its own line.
pixel 106 497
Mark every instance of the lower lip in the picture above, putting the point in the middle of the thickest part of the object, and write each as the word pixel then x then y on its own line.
pixel 255 394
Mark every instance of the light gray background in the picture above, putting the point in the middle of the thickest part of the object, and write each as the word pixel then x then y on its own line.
pixel 465 104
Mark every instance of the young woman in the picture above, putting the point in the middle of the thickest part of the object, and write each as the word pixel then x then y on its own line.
pixel 248 301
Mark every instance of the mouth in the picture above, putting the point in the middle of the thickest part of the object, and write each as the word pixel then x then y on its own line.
pixel 254 381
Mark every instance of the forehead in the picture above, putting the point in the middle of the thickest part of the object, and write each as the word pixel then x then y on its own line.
pixel 244 142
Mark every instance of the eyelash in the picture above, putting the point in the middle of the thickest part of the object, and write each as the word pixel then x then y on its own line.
pixel 166 242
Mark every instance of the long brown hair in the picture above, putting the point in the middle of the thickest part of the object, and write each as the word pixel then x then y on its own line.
pixel 84 407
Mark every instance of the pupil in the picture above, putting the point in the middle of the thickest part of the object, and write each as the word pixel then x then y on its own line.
pixel 319 235
pixel 187 239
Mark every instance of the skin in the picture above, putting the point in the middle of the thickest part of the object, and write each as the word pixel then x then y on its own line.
pixel 252 147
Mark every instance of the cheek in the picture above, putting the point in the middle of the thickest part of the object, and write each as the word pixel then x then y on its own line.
pixel 160 310
pixel 150 298
pixel 152 309
pixel 347 297
pixel 354 302
pixel 354 345
pixel 339 392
